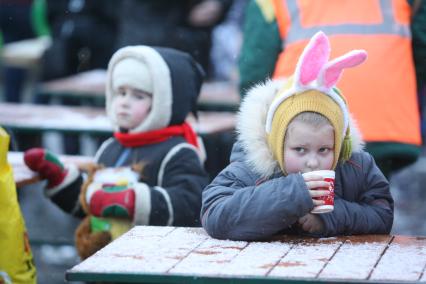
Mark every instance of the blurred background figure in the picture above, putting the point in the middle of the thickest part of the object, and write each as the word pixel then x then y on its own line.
pixel 226 43
pixel 184 25
pixel 85 33
pixel 19 20
pixel 418 27
pixel 83 36
pixel 382 94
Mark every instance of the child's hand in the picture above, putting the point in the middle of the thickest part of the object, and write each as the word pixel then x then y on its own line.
pixel 47 165
pixel 314 182
pixel 311 223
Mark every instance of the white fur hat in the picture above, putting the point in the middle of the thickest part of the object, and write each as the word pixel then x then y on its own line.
pixel 172 77
pixel 142 67
pixel 133 73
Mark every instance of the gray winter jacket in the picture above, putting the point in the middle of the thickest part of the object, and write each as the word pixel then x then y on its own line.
pixel 251 199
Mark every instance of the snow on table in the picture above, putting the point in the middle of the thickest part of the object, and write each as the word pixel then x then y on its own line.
pixel 257 258
pixel 175 255
pixel 307 258
pixel 404 260
pixel 210 257
pixel 356 258
pixel 155 251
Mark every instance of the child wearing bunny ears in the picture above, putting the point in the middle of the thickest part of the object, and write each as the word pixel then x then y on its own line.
pixel 289 128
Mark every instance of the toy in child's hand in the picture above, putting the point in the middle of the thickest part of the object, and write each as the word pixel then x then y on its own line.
pixel 47 165
pixel 87 242
pixel 108 199
pixel 94 233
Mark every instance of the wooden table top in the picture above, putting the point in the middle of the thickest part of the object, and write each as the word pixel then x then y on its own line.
pixel 24 176
pixel 30 117
pixel 188 255
pixel 91 85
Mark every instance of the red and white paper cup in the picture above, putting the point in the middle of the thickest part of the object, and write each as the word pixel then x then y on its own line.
pixel 328 205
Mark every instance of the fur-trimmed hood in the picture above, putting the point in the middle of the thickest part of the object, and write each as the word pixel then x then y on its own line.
pixel 251 131
pixel 176 83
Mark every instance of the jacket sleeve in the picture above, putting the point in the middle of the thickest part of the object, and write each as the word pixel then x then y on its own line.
pixel 370 211
pixel 234 207
pixel 261 45
pixel 176 199
pixel 66 196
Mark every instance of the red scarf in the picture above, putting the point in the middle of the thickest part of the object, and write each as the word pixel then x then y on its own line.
pixel 157 136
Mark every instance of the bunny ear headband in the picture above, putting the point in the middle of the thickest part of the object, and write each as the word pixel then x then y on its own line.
pixel 314 72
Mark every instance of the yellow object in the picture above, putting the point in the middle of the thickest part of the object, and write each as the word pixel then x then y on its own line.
pixel 115 226
pixel 16 259
pixel 119 227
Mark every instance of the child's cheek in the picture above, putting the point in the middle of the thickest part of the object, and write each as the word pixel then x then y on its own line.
pixel 292 164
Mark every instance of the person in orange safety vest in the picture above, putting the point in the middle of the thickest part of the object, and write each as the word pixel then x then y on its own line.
pixel 381 94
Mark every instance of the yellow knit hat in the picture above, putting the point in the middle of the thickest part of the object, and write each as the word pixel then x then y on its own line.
pixel 308 101
pixel 312 89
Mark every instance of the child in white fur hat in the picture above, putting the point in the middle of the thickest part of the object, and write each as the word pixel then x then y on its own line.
pixel 285 130
pixel 150 172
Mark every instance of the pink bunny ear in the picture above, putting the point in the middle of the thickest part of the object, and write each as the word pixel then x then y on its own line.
pixel 334 69
pixel 314 57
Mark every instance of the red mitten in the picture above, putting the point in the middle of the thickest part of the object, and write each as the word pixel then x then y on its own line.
pixel 111 200
pixel 47 165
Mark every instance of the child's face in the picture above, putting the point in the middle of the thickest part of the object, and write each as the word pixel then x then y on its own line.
pixel 308 148
pixel 131 106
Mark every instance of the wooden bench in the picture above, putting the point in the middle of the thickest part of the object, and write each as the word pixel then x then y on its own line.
pixel 188 255
pixel 24 53
pixel 24 176
pixel 90 120
pixel 90 85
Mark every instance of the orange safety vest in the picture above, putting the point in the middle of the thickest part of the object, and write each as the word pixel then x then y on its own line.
pixel 381 93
